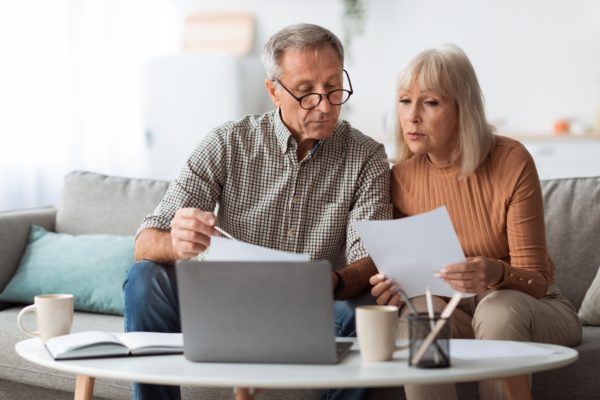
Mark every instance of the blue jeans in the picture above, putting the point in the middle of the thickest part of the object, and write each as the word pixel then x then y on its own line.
pixel 151 305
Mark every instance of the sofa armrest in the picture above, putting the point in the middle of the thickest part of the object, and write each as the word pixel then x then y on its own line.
pixel 14 233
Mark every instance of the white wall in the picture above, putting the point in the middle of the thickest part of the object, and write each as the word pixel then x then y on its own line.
pixel 537 60
pixel 71 82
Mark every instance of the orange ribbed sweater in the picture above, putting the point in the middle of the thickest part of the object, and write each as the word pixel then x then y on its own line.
pixel 497 211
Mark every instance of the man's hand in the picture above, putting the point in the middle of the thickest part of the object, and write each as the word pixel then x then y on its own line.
pixel 475 275
pixel 191 230
pixel 385 291
pixel 355 277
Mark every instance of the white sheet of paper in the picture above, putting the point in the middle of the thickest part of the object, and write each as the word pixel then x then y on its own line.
pixel 476 350
pixel 222 249
pixel 411 250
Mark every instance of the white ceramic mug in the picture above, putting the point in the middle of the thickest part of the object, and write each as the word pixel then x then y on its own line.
pixel 376 331
pixel 54 315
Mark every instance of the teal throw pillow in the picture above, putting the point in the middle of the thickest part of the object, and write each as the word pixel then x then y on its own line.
pixel 91 267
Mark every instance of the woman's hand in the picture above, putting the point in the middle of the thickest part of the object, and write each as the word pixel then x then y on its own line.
pixel 385 290
pixel 475 275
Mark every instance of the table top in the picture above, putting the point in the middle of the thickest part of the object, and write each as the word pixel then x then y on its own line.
pixel 351 372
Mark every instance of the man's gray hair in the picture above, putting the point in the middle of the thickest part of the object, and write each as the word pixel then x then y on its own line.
pixel 297 38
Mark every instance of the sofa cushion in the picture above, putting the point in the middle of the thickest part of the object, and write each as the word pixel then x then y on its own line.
pixel 572 215
pixel 590 307
pixel 96 203
pixel 91 267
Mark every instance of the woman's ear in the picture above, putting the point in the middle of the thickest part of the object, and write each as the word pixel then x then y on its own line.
pixel 272 90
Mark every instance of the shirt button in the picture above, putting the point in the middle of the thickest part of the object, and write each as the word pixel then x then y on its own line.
pixel 295 199
pixel 290 232
pixel 529 282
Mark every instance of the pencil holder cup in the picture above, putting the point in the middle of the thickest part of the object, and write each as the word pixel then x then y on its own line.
pixel 437 353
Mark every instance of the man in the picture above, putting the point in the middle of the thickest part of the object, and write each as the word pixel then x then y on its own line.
pixel 291 179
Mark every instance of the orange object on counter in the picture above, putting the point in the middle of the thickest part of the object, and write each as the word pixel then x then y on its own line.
pixel 561 127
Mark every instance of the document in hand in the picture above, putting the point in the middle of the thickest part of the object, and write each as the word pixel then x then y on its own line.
pixel 411 250
pixel 94 344
pixel 222 249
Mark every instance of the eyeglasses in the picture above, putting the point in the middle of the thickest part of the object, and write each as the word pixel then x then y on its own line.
pixel 312 100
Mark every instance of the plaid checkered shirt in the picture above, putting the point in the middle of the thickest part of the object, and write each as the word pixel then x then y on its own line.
pixel 249 171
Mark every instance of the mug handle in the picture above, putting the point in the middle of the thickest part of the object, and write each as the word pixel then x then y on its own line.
pixel 31 308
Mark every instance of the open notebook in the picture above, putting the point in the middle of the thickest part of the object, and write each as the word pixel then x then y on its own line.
pixel 93 344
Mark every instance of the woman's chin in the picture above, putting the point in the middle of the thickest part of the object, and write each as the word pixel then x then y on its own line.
pixel 416 149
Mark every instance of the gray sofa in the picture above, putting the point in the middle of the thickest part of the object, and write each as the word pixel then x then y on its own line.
pixel 94 203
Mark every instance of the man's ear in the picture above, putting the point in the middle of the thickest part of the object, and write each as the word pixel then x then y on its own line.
pixel 272 90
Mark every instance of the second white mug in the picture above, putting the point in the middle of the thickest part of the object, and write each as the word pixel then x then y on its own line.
pixel 376 331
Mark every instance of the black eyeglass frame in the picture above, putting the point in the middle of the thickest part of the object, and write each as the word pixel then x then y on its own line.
pixel 299 99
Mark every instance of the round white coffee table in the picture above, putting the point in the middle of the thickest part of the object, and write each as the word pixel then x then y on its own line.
pixel 351 372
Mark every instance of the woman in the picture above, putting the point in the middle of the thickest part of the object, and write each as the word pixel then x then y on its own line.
pixel 448 155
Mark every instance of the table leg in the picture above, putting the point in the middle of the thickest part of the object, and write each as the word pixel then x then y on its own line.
pixel 517 387
pixel 84 387
pixel 245 393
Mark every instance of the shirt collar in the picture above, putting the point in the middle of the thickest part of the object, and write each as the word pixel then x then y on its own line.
pixel 284 135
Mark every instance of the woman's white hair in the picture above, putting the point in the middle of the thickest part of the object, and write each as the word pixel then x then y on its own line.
pixel 448 71
pixel 297 37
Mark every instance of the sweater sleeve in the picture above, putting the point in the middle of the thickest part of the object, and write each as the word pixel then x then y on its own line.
pixel 529 267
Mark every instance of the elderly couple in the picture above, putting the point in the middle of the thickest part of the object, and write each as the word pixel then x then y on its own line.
pixel 296 177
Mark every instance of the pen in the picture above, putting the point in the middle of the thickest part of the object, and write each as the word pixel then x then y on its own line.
pixel 222 232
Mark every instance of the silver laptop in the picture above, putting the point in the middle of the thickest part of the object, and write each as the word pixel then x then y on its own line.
pixel 258 312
